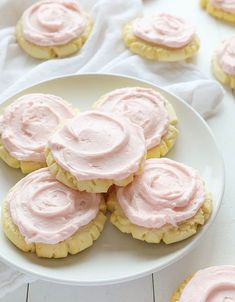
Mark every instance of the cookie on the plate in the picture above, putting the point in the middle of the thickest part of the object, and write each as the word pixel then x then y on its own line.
pixel 53 28
pixel 25 126
pixel 162 37
pixel 223 63
pixel 148 109
pixel 95 150
pixel 221 9
pixel 215 283
pixel 167 202
pixel 43 216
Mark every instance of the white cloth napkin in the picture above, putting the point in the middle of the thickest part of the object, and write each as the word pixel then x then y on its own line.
pixel 103 52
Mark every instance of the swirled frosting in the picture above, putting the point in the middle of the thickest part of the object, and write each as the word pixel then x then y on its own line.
pixel 225 55
pixel 164 29
pixel 96 145
pixel 167 192
pixel 225 5
pixel 27 123
pixel 47 211
pixel 144 107
pixel 213 284
pixel 53 22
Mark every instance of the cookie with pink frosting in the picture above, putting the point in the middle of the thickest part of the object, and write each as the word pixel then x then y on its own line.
pixel 162 37
pixel 53 28
pixel 221 9
pixel 25 126
pixel 95 150
pixel 167 202
pixel 223 62
pixel 212 284
pixel 148 109
pixel 43 216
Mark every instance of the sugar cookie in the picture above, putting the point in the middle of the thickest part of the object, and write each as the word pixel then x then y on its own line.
pixel 53 28
pixel 167 202
pixel 43 216
pixel 162 37
pixel 148 109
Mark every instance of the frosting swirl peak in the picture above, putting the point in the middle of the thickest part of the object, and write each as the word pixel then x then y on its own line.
pixel 167 192
pixel 47 211
pixel 213 284
pixel 164 29
pixel 96 145
pixel 53 22
pixel 144 107
pixel 27 123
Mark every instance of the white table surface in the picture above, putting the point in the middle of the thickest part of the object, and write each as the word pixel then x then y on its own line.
pixel 218 246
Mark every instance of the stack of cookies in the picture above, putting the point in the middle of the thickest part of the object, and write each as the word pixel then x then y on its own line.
pixel 112 156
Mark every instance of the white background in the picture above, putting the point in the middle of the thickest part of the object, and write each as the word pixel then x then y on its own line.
pixel 218 246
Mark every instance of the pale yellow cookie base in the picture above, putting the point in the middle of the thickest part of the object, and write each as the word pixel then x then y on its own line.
pixel 178 292
pixel 91 186
pixel 76 243
pixel 157 52
pixel 25 166
pixel 203 3
pixel 222 76
pixel 167 141
pixel 168 234
pixel 217 13
pixel 50 52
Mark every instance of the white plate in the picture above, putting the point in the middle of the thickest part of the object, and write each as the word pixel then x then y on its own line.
pixel 117 257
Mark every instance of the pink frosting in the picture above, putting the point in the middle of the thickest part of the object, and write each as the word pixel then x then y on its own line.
pixel 225 5
pixel 213 284
pixel 28 122
pixel 167 192
pixel 47 211
pixel 226 55
pixel 164 29
pixel 53 22
pixel 96 145
pixel 144 107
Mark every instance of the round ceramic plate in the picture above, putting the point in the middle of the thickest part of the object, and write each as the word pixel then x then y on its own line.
pixel 115 256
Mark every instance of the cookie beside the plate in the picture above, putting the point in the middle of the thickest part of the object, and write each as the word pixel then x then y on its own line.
pixel 52 28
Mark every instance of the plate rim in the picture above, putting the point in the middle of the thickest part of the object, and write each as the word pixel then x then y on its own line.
pixel 185 251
